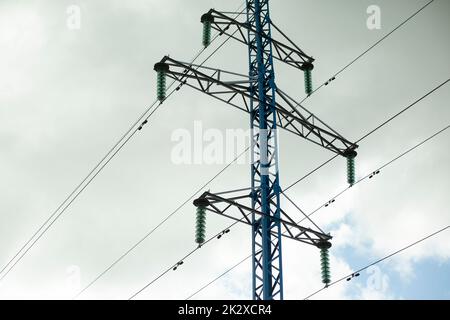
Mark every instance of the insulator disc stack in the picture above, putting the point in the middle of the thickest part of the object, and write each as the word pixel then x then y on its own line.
pixel 307 70
pixel 207 19
pixel 324 246
pixel 161 68
pixel 200 228
pixel 351 155
pixel 200 220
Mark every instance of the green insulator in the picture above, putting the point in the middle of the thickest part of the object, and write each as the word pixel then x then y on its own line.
pixel 350 155
pixel 351 171
pixel 325 261
pixel 200 225
pixel 200 220
pixel 307 68
pixel 325 265
pixel 308 82
pixel 206 34
pixel 161 68
pixel 161 86
pixel 207 19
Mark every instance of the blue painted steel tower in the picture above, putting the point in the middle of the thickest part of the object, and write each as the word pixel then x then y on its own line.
pixel 266 232
pixel 259 205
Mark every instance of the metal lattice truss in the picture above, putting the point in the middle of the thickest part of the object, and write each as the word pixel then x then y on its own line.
pixel 266 229
pixel 255 94
pixel 290 115
pixel 290 53
pixel 225 206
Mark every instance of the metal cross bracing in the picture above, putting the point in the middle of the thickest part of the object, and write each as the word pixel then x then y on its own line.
pixel 255 93
pixel 291 116
pixel 221 205
pixel 267 253
pixel 290 53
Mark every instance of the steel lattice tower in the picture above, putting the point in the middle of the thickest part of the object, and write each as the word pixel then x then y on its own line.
pixel 267 262
pixel 255 94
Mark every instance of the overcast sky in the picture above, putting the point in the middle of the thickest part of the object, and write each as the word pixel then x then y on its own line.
pixel 67 95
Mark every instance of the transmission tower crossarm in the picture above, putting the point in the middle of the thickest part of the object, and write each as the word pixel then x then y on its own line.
pixel 207 80
pixel 290 53
pixel 291 116
pixel 223 206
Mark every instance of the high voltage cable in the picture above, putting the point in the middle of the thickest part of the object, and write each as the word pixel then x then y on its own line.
pixel 380 168
pixel 172 267
pixel 80 184
pixel 323 205
pixel 97 166
pixel 369 133
pixel 97 169
pixel 381 259
pixel 65 204
pixel 219 276
pixel 216 236
pixel 341 279
pixel 368 49
pixel 179 207
pixel 326 162
pixel 156 227
pixel 177 264
pixel 382 124
pixel 403 110
pixel 373 130
pixel 240 262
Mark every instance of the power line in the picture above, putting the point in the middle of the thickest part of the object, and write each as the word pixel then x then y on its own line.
pixel 97 169
pixel 403 110
pixel 388 120
pixel 66 206
pixel 218 277
pixel 109 155
pixel 178 263
pixel 369 133
pixel 80 184
pixel 233 267
pixel 179 207
pixel 157 226
pixel 323 205
pixel 97 166
pixel 216 236
pixel 76 193
pixel 380 260
pixel 370 175
pixel 173 267
pixel 373 130
pixel 368 49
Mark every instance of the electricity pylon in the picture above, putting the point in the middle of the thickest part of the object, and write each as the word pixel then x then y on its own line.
pixel 255 94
